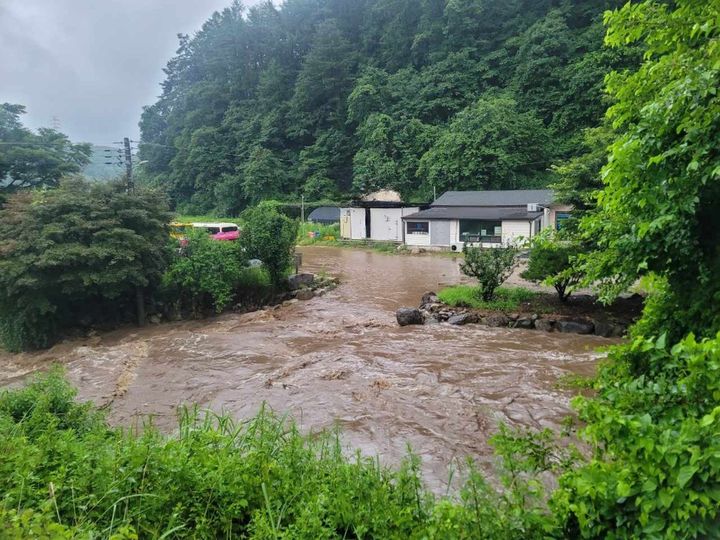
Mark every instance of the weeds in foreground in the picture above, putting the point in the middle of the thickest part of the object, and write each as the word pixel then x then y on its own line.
pixel 506 298
pixel 65 474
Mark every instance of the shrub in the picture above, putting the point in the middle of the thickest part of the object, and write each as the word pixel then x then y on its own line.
pixel 269 236
pixel 490 266
pixel 80 253
pixel 206 273
pixel 655 428
pixel 552 262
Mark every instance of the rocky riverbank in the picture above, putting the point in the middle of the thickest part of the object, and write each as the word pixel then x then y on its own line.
pixel 580 315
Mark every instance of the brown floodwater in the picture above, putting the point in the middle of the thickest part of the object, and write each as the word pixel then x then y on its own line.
pixel 339 358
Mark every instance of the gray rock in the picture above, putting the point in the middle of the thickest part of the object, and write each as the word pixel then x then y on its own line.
pixel 431 320
pixel 297 281
pixel 154 319
pixel 603 327
pixel 406 316
pixel 305 294
pixel 429 298
pixel 546 325
pixel 254 263
pixel 525 322
pixel 575 327
pixel 462 318
pixel 497 320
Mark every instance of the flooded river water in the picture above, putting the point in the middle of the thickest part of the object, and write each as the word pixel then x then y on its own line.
pixel 338 358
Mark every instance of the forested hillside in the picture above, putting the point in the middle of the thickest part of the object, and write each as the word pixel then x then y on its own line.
pixel 330 98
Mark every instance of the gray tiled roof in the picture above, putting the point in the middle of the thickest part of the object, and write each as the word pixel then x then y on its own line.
pixel 512 197
pixel 517 213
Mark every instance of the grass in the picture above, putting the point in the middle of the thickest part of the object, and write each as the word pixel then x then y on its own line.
pixel 322 235
pixel 506 298
pixel 65 474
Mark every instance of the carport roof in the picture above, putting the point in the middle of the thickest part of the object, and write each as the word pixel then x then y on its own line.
pixel 517 213
pixel 506 197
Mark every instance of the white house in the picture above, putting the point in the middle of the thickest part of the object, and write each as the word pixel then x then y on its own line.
pixel 484 218
pixel 378 216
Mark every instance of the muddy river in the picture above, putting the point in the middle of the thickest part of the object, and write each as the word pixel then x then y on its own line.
pixel 338 358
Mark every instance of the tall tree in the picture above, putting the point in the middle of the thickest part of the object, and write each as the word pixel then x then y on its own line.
pixel 39 159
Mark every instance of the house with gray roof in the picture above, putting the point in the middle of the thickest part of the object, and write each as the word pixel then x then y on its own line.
pixel 483 218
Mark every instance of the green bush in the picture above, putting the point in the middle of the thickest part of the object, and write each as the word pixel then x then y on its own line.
pixel 506 298
pixel 490 266
pixel 64 472
pixel 206 273
pixel 269 236
pixel 552 262
pixel 75 255
pixel 655 428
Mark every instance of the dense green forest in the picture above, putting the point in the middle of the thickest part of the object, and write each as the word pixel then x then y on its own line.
pixel 331 98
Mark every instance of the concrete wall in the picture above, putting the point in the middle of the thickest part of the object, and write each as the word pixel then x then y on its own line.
pixel 552 211
pixel 513 230
pixel 386 224
pixel 419 239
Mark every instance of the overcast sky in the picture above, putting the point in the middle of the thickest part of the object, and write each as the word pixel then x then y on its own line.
pixel 92 64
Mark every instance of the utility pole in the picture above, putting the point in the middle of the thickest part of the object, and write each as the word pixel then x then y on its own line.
pixel 128 165
pixel 302 208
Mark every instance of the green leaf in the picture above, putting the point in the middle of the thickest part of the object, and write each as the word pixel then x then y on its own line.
pixel 685 474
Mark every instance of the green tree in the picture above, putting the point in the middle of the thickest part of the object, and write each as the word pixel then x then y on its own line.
pixel 269 236
pixel 76 255
pixel 653 424
pixel 30 159
pixel 490 266
pixel 551 260
pixel 490 145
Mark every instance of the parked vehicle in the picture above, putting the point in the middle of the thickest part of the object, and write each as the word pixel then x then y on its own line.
pixel 217 231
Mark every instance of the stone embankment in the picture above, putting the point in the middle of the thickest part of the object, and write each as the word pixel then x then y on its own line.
pixel 433 311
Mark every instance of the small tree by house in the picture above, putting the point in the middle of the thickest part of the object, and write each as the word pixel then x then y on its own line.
pixel 490 266
pixel 269 236
pixel 551 262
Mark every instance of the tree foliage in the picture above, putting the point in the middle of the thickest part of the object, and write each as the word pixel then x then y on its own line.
pixel 339 97
pixel 76 254
pixel 269 236
pixel 39 159
pixel 490 266
pixel 552 260
pixel 205 274
pixel 654 425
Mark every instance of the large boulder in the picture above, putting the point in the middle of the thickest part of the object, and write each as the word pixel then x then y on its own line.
pixel 406 316
pixel 497 320
pixel 545 325
pixel 305 294
pixel 462 318
pixel 525 322
pixel 575 327
pixel 429 298
pixel 297 281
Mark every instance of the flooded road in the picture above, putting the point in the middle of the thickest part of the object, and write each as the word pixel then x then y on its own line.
pixel 338 358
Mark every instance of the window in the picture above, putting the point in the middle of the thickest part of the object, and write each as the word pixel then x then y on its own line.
pixel 476 230
pixel 560 218
pixel 229 229
pixel 418 227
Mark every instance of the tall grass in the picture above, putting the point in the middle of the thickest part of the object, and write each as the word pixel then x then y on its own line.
pixel 328 235
pixel 64 473
pixel 506 298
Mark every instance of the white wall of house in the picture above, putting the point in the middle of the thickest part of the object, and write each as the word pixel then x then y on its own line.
pixel 454 231
pixel 418 239
pixel 386 224
pixel 513 230
pixel 352 223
